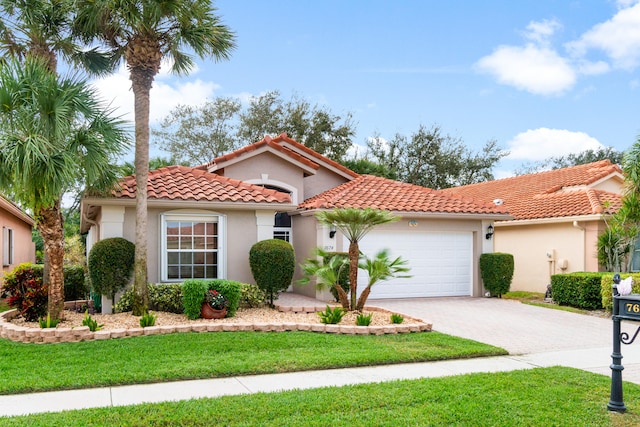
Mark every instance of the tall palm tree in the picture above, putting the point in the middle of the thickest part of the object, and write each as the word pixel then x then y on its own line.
pixel 142 33
pixel 53 132
pixel 354 224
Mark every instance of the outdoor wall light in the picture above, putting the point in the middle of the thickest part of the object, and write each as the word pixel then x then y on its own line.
pixel 332 231
pixel 489 234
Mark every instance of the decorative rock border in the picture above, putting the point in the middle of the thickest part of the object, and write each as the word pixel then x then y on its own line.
pixel 82 333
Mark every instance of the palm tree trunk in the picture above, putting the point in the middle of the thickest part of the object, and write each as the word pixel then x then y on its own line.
pixel 342 296
pixel 363 298
pixel 50 225
pixel 354 255
pixel 141 84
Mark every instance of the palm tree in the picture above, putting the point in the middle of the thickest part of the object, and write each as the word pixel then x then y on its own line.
pixel 327 271
pixel 354 224
pixel 143 33
pixel 42 28
pixel 53 132
pixel 381 268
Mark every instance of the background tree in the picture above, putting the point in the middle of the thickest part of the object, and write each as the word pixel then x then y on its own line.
pixel 354 224
pixel 572 159
pixel 128 168
pixel 432 159
pixel 143 33
pixel 52 132
pixel 196 134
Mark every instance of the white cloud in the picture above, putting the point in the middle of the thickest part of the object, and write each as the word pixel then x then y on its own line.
pixel 539 32
pixel 618 38
pixel 535 69
pixel 166 93
pixel 542 143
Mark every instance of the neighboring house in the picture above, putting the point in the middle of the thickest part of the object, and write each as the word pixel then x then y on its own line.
pixel 557 217
pixel 202 221
pixel 16 244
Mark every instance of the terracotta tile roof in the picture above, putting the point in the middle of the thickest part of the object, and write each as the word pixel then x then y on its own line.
pixel 381 193
pixel 284 139
pixel 310 157
pixel 551 194
pixel 185 183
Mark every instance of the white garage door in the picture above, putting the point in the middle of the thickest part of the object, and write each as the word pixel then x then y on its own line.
pixel 441 263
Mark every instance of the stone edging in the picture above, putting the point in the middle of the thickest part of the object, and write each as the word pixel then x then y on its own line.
pixel 82 333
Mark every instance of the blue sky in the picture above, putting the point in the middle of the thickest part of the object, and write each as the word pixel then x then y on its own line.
pixel 541 77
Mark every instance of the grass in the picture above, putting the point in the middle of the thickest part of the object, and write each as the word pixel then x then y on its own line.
pixel 158 358
pixel 537 299
pixel 539 397
pixel 3 305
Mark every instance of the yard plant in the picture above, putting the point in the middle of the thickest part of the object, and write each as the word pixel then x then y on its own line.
pixel 215 354
pixel 570 397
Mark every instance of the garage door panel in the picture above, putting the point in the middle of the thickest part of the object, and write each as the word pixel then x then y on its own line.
pixel 441 263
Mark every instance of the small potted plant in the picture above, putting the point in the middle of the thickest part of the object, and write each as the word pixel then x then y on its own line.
pixel 214 305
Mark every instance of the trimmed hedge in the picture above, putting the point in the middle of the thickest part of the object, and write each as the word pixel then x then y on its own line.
pixel 606 285
pixel 194 291
pixel 496 270
pixel 74 281
pixel 165 297
pixel 110 265
pixel 272 264
pixel 580 290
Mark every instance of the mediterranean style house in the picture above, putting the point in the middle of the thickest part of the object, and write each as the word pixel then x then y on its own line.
pixel 557 218
pixel 202 221
pixel 17 246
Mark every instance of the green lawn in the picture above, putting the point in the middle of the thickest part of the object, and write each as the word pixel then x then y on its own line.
pixel 539 397
pixel 38 367
pixel 3 306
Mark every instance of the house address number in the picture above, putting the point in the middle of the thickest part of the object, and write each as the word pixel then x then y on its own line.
pixel 629 307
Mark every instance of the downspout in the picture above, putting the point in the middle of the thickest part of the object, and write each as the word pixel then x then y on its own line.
pixel 584 244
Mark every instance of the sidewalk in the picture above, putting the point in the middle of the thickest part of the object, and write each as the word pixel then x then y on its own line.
pixel 595 360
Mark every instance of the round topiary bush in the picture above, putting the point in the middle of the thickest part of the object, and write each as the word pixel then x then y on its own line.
pixel 496 270
pixel 110 265
pixel 272 264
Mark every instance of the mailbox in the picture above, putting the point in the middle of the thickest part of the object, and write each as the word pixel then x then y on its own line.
pixel 628 306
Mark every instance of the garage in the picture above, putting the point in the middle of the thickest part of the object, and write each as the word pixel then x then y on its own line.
pixel 441 263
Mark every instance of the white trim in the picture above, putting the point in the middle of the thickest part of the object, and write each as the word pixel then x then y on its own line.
pixel 194 216
pixel 266 181
pixel 7 246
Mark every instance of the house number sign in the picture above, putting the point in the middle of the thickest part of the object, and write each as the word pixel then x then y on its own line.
pixel 629 307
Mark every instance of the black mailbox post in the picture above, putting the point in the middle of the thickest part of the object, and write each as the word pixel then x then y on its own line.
pixel 625 307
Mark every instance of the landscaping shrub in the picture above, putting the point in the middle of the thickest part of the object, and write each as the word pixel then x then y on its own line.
pixel 606 285
pixel 24 291
pixel 364 319
pixel 193 292
pixel 110 265
pixel 230 289
pixel 162 297
pixel 496 270
pixel 272 264
pixel 251 296
pixel 75 287
pixel 331 316
pixel 580 290
pixel 343 276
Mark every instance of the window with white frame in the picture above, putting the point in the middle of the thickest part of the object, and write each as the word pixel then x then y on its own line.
pixel 7 246
pixel 282 227
pixel 191 247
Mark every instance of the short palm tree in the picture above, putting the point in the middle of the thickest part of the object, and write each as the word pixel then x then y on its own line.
pixel 381 268
pixel 143 33
pixel 327 271
pixel 354 224
pixel 53 132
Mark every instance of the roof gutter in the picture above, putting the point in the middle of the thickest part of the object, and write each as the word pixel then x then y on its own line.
pixel 536 221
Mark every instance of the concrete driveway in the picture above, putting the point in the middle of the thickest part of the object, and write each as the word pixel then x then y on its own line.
pixel 516 327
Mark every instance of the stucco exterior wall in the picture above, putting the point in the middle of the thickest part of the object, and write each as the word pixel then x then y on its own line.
pixel 305 240
pixel 24 249
pixel 322 181
pixel 267 168
pixel 539 251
